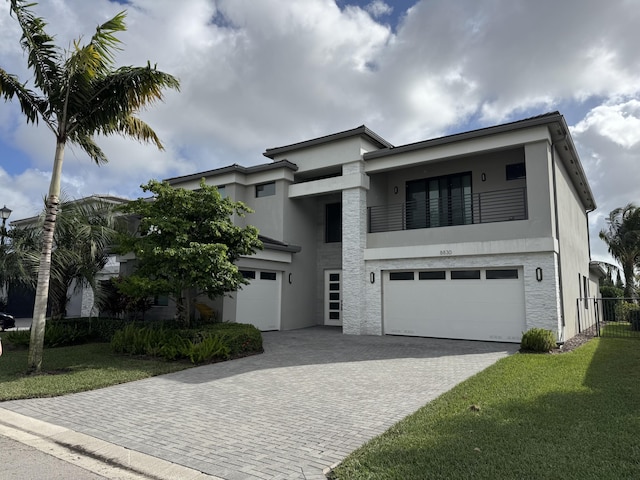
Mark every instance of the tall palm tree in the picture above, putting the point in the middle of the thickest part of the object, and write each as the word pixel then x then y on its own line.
pixel 622 236
pixel 79 94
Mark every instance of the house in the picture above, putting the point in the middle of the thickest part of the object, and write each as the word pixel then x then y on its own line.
pixel 480 235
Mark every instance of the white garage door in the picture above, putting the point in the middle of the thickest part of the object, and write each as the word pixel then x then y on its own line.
pixel 259 302
pixel 472 304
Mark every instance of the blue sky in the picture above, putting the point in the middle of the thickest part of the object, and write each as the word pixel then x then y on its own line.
pixel 261 74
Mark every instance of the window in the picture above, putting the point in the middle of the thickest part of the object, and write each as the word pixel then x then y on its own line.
pixel 502 274
pixel 248 274
pixel 161 300
pixel 465 275
pixel 516 171
pixel 266 189
pixel 267 275
pixel 585 284
pixel 333 223
pixel 401 276
pixel 433 275
pixel 221 190
pixel 439 201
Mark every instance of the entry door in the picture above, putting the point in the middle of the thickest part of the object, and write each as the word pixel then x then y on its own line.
pixel 333 297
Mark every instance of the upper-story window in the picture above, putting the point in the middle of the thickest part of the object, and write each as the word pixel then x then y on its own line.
pixel 333 223
pixel 266 189
pixel 439 201
pixel 516 171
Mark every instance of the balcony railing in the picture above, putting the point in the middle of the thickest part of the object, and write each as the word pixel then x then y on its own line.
pixel 486 207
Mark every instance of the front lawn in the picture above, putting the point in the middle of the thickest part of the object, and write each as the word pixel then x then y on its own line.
pixel 74 369
pixel 569 416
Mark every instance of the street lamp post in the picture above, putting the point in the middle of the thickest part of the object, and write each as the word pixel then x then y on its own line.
pixel 4 213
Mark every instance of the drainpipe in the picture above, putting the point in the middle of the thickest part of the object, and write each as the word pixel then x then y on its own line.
pixel 555 206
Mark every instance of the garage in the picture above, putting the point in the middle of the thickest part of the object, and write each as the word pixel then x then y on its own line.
pixel 258 303
pixel 472 304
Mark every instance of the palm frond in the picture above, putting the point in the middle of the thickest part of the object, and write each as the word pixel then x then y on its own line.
pixel 31 104
pixel 43 56
pixel 87 143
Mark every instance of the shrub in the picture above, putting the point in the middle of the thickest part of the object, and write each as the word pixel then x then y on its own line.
pixel 628 312
pixel 538 340
pixel 214 342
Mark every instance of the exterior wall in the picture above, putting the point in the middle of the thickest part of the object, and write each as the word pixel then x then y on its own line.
pixel 299 290
pixel 574 250
pixel 327 155
pixel 542 300
pixel 354 237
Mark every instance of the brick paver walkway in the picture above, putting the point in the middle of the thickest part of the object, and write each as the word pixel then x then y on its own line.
pixel 314 396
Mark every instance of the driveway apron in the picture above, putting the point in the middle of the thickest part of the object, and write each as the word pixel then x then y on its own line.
pixel 314 396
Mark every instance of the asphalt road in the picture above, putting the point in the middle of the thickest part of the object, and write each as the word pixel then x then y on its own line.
pixel 22 462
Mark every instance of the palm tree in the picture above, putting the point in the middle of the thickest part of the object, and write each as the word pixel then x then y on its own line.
pixel 79 94
pixel 85 230
pixel 622 236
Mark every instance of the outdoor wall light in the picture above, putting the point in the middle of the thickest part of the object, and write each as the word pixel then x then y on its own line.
pixel 290 278
pixel 483 177
pixel 372 277
pixel 539 274
pixel 395 190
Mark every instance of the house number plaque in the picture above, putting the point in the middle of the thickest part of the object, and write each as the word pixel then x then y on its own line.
pixel 446 252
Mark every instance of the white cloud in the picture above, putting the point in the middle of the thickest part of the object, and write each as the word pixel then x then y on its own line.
pixel 378 8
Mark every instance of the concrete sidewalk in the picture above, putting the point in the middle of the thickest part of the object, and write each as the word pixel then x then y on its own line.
pixel 314 396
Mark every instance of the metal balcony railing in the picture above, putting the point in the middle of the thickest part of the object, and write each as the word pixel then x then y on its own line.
pixel 486 207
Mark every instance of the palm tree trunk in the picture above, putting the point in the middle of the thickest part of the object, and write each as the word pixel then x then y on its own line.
pixel 36 344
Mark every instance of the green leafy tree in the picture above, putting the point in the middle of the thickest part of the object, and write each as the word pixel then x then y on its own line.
pixel 77 95
pixel 622 236
pixel 187 241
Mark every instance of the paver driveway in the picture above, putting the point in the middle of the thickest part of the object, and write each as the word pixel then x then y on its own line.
pixel 313 397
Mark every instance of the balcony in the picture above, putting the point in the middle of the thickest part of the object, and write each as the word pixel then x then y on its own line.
pixel 486 207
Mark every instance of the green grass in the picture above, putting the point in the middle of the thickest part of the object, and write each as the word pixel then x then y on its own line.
pixel 619 329
pixel 569 416
pixel 74 369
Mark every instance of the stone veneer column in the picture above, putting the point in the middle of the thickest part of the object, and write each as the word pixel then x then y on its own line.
pixel 354 238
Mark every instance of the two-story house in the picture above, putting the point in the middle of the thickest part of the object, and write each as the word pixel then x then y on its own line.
pixel 479 235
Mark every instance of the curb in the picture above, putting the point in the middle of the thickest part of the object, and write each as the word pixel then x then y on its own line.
pixel 100 457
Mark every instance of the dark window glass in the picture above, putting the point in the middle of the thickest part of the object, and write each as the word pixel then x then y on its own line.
pixel 334 305
pixel 267 275
pixel 161 300
pixel 334 315
pixel 401 276
pixel 439 201
pixel 465 275
pixel 516 171
pixel 334 296
pixel 334 277
pixel 248 274
pixel 436 275
pixel 334 286
pixel 333 222
pixel 266 189
pixel 502 274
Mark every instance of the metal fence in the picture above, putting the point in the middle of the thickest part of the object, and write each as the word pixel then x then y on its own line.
pixel 609 317
pixel 486 207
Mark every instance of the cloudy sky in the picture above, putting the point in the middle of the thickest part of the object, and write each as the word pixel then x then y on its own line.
pixel 264 73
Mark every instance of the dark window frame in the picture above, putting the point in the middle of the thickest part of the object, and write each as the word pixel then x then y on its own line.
pixel 502 274
pixel 471 274
pixel 432 275
pixel 402 276
pixel 515 171
pixel 267 189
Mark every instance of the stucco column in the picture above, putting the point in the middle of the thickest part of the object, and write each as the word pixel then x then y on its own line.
pixel 354 238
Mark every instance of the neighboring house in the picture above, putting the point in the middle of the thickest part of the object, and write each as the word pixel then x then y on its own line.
pixel 480 235
pixel 81 297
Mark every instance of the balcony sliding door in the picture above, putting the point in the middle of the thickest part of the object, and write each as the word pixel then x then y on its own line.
pixel 439 201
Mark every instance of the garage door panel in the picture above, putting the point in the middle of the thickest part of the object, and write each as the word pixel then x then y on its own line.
pixel 466 309
pixel 258 303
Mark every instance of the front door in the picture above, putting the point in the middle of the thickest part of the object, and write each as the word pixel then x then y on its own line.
pixel 333 297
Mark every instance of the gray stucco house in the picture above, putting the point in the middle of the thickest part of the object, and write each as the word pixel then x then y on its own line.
pixel 479 235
